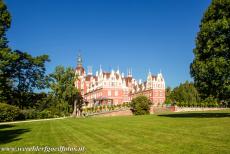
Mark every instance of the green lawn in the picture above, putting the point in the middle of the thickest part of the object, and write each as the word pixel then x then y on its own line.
pixel 203 132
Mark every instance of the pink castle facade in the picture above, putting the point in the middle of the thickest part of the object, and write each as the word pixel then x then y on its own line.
pixel 107 88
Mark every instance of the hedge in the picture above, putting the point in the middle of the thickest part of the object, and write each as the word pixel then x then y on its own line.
pixel 9 112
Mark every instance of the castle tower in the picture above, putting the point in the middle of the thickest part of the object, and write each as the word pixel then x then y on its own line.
pixel 79 70
pixel 79 61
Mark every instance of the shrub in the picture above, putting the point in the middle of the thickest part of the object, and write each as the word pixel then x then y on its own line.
pixel 45 114
pixel 29 114
pixel 178 104
pixel 185 104
pixel 104 107
pixel 123 104
pixel 8 112
pixel 94 109
pixel 140 105
pixel 89 109
pixel 195 104
pixel 211 102
pixel 100 108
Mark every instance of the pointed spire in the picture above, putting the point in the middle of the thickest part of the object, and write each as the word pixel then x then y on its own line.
pixel 79 59
pixel 149 72
pixel 90 70
pixel 118 70
pixel 122 75
pixel 100 69
pixel 112 71
pixel 129 72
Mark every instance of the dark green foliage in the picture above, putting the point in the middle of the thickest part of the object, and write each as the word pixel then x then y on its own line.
pixel 8 112
pixel 168 96
pixel 45 114
pixel 5 21
pixel 186 94
pixel 28 72
pixel 35 114
pixel 140 105
pixel 211 66
pixel 21 74
pixel 210 102
pixel 29 114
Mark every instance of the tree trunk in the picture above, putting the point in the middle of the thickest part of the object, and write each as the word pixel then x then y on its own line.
pixel 74 109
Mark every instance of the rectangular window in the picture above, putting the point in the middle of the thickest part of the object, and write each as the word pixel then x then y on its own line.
pixel 160 93
pixel 109 93
pixel 116 93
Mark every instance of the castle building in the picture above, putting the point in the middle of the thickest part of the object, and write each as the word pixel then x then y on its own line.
pixel 107 88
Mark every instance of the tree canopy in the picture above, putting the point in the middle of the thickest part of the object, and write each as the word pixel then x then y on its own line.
pixel 23 75
pixel 140 105
pixel 211 66
pixel 5 21
pixel 63 90
pixel 20 72
pixel 185 92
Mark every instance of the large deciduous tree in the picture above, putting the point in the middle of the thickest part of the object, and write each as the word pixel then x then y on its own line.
pixel 211 66
pixel 27 73
pixel 64 92
pixel 5 21
pixel 20 72
pixel 20 75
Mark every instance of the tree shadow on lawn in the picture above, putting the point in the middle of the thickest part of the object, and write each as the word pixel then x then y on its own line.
pixel 196 115
pixel 8 135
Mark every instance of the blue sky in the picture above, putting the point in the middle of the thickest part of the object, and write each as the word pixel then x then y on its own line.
pixel 138 34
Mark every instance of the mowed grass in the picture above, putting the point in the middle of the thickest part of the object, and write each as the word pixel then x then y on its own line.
pixel 200 132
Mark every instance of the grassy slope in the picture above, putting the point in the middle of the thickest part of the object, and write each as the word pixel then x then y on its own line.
pixel 133 134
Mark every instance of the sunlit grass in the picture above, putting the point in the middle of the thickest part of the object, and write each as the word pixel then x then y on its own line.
pixel 205 132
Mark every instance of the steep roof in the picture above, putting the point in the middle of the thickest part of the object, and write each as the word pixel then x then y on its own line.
pixel 87 78
pixel 154 77
pixel 128 80
pixel 107 74
pixel 81 69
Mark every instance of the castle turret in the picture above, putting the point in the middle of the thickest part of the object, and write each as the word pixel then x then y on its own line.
pixel 79 61
pixel 80 70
